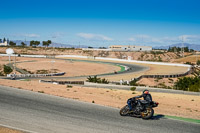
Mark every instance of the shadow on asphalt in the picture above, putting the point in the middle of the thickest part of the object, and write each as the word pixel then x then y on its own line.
pixel 157 117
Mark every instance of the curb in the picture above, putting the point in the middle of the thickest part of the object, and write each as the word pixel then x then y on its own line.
pixel 181 119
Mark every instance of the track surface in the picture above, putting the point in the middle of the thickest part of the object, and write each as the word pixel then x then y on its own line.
pixel 42 113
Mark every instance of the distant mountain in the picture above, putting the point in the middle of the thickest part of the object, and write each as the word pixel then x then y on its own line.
pixel 60 45
pixel 18 42
pixel 190 46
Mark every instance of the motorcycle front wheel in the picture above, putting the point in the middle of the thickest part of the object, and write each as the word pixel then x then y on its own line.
pixel 124 111
pixel 147 113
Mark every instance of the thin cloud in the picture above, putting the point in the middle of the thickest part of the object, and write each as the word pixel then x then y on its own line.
pixel 190 38
pixel 132 39
pixel 90 36
pixel 149 40
pixel 26 35
pixel 32 35
pixel 57 35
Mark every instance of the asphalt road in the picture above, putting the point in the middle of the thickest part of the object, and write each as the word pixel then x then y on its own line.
pixel 37 112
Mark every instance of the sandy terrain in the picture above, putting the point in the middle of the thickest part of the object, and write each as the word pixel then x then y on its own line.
pixel 192 59
pixel 161 83
pixel 8 130
pixel 170 104
pixel 71 68
pixel 153 69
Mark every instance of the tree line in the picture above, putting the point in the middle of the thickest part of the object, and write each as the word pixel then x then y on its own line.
pixel 4 40
pixel 23 44
pixel 179 49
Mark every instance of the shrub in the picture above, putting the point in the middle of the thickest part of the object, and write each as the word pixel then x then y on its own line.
pixel 198 62
pixel 162 85
pixel 42 71
pixel 69 86
pixel 41 91
pixel 159 59
pixel 133 88
pixel 133 83
pixel 188 84
pixel 104 81
pixel 1 74
pixel 93 79
pixel 97 80
pixel 189 63
pixel 7 69
pixel 28 71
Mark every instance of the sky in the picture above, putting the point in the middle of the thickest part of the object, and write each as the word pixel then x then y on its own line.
pixel 100 23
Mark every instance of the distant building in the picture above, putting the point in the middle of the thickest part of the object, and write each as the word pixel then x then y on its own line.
pixel 129 48
pixel 4 43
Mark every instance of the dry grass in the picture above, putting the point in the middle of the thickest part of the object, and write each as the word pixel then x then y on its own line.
pixel 192 58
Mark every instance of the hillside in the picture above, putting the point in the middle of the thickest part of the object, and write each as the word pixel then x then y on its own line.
pixel 158 56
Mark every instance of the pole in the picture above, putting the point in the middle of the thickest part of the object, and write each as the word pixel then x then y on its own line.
pixel 182 47
pixel 9 58
pixel 15 64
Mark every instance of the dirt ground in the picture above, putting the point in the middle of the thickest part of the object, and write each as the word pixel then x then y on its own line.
pixel 73 68
pixel 156 82
pixel 8 130
pixel 70 67
pixel 137 55
pixel 153 70
pixel 169 104
pixel 193 59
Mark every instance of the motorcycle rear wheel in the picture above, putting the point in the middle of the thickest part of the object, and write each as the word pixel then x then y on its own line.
pixel 147 113
pixel 124 111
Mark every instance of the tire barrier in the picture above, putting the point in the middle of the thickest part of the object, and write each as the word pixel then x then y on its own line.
pixel 63 82
pixel 33 75
pixel 165 76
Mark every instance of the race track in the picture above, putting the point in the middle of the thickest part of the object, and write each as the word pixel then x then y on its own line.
pixel 132 68
pixel 37 112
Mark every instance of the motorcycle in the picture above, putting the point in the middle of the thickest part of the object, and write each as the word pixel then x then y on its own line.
pixel 145 110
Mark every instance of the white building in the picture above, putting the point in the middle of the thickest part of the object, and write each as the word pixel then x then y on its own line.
pixel 129 48
pixel 4 44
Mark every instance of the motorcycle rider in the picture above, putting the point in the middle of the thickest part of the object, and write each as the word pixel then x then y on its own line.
pixel 147 99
